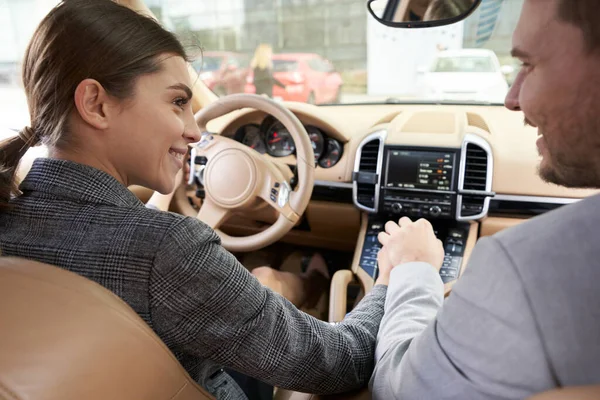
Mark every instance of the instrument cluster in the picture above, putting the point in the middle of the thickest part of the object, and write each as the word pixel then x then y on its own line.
pixel 274 139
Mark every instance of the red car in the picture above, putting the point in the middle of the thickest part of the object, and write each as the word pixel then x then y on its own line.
pixel 223 72
pixel 308 78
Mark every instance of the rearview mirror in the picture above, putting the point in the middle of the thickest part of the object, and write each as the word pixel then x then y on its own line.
pixel 420 13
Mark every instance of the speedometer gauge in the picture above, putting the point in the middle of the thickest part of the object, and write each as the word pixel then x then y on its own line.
pixel 317 141
pixel 253 138
pixel 279 141
pixel 333 153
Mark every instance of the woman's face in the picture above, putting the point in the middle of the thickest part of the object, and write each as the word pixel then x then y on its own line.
pixel 152 131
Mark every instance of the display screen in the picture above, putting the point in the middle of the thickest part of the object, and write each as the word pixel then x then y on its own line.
pixel 408 169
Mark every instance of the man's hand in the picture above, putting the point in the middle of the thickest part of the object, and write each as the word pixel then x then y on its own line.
pixel 407 242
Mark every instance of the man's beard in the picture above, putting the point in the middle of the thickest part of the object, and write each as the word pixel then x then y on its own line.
pixel 572 156
pixel 584 173
pixel 569 178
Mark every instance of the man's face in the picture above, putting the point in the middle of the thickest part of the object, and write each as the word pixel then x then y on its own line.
pixel 558 90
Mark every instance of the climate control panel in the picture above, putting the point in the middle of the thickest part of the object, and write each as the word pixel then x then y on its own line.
pixel 418 205
pixel 453 235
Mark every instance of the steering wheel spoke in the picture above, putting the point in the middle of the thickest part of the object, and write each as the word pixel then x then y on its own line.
pixel 278 194
pixel 212 214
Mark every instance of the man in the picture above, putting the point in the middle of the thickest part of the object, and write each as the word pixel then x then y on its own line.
pixel 525 317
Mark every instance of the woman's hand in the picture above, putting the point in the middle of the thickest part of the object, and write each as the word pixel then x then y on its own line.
pixel 405 242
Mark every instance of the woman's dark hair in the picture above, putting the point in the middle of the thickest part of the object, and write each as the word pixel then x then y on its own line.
pixel 80 39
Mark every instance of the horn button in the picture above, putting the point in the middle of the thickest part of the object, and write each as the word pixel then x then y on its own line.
pixel 230 177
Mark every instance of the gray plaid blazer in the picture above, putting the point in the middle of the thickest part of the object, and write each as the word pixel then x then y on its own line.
pixel 207 308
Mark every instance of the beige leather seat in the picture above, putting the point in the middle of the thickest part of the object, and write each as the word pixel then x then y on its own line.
pixel 65 337
pixel 571 393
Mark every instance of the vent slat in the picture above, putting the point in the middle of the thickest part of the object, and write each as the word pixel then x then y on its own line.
pixel 476 164
pixel 369 156
pixel 475 168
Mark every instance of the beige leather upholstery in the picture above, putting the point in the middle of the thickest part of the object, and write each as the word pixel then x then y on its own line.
pixel 363 394
pixel 65 337
pixel 571 393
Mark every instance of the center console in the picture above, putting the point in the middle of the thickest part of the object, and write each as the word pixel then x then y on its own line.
pixel 449 186
pixel 453 236
pixel 419 183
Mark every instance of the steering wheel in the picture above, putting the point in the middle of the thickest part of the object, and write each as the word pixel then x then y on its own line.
pixel 235 176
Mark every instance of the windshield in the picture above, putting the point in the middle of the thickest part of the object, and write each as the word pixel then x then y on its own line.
pixel 337 52
pixel 340 54
pixel 209 63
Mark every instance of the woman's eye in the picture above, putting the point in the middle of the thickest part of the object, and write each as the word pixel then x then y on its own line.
pixel 180 102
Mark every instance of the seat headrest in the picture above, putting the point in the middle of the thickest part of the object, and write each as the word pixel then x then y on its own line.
pixel 66 337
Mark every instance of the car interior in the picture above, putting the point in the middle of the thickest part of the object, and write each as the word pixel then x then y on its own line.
pixel 279 181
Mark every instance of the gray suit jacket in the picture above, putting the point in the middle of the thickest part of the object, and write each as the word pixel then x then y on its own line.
pixel 524 318
pixel 206 307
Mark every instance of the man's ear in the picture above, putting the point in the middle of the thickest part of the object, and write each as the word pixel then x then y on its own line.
pixel 91 101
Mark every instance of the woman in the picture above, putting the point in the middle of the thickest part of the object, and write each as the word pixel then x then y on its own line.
pixel 262 67
pixel 446 9
pixel 108 93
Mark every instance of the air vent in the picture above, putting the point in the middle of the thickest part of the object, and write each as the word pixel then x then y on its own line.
pixel 475 181
pixel 367 172
pixel 369 156
pixel 365 195
pixel 472 205
pixel 475 168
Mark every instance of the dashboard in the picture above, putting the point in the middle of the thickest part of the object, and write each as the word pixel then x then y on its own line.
pixel 451 182
pixel 272 138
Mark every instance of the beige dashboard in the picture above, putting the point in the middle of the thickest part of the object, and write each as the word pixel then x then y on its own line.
pixel 513 144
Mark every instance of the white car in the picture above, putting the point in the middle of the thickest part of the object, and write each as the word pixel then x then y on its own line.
pixel 465 75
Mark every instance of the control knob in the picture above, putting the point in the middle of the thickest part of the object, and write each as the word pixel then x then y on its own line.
pixel 396 207
pixel 435 211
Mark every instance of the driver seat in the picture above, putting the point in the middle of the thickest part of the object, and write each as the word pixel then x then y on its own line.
pixel 66 337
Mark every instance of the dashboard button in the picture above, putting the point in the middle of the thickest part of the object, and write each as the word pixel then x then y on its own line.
pixel 435 211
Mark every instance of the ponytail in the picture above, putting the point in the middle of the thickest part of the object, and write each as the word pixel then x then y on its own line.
pixel 11 152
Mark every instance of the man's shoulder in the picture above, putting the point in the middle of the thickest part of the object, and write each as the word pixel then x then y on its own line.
pixel 571 219
pixel 547 239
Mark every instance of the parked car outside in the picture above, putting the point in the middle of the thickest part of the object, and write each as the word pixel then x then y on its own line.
pixel 308 77
pixel 223 72
pixel 465 75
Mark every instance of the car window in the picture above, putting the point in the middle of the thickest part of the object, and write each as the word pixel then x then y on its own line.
pixel 327 67
pixel 464 64
pixel 285 66
pixel 233 62
pixel 316 65
pixel 18 20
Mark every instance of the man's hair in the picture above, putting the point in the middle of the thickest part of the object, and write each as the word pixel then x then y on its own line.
pixel 584 14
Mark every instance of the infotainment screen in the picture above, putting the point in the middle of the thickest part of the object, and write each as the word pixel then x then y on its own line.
pixel 411 169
